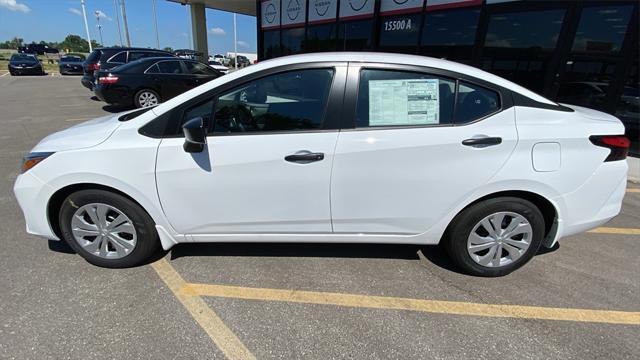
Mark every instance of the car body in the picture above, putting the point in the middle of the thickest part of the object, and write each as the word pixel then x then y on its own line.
pixel 333 147
pixel 242 60
pixel 107 58
pixel 223 60
pixel 149 81
pixel 218 66
pixel 25 64
pixel 71 65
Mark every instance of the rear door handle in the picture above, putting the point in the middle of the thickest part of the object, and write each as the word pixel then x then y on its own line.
pixel 304 157
pixel 482 141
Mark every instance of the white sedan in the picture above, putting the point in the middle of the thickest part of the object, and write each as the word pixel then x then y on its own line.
pixel 332 147
pixel 218 66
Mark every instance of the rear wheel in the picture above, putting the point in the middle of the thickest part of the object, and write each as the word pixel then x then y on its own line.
pixel 495 237
pixel 107 229
pixel 145 98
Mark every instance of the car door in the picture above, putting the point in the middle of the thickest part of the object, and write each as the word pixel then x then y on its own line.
pixel 169 77
pixel 419 144
pixel 267 163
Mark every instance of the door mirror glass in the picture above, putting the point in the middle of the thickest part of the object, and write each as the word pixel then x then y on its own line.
pixel 195 135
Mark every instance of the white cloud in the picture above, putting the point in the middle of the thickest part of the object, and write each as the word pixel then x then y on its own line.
pixel 243 44
pixel 100 14
pixel 13 5
pixel 217 31
pixel 75 11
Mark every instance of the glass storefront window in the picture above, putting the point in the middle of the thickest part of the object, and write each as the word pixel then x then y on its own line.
pixel 400 33
pixel 355 35
pixel 602 29
pixel 519 46
pixel 450 34
pixel 628 108
pixel 292 40
pixel 270 44
pixel 321 38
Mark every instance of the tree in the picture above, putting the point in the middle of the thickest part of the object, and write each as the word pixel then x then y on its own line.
pixel 75 43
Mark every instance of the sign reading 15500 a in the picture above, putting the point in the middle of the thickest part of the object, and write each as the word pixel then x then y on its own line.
pixel 400 25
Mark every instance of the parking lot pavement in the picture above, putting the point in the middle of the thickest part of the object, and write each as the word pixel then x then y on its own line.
pixel 580 300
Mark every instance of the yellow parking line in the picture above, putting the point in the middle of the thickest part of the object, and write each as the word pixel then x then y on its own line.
pixel 221 335
pixel 612 230
pixel 429 306
pixel 633 190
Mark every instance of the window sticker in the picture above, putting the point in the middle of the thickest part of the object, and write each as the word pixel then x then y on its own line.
pixel 404 102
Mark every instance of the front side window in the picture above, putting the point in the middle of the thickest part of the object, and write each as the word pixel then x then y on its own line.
pixel 170 67
pixel 137 55
pixel 295 100
pixel 399 98
pixel 196 68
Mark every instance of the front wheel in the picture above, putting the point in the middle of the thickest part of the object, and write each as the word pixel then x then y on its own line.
pixel 145 98
pixel 495 237
pixel 107 229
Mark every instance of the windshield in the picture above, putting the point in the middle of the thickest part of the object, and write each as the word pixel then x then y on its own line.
pixel 23 57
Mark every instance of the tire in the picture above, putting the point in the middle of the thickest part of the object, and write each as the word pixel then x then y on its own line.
pixel 467 234
pixel 78 226
pixel 139 103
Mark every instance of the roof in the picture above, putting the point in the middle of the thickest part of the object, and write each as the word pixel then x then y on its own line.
pixel 246 7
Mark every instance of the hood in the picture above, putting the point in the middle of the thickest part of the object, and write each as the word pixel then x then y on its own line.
pixel 591 113
pixel 87 134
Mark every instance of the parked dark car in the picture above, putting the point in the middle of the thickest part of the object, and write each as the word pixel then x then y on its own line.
pixel 108 58
pixel 243 61
pixel 23 64
pixel 148 82
pixel 39 49
pixel 71 65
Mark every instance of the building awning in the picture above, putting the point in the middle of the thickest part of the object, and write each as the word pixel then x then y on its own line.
pixel 246 7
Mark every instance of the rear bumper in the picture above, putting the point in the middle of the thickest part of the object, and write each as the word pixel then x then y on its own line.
pixel 87 81
pixel 115 95
pixel 595 202
pixel 33 197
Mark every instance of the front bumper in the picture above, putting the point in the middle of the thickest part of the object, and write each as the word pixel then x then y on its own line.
pixel 33 197
pixel 26 71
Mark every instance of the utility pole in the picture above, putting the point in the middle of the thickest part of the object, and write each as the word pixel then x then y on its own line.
pixel 86 25
pixel 235 42
pixel 124 21
pixel 99 27
pixel 115 7
pixel 155 23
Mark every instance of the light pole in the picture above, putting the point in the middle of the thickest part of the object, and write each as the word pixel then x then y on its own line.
pixel 86 25
pixel 99 26
pixel 115 7
pixel 124 21
pixel 235 43
pixel 155 23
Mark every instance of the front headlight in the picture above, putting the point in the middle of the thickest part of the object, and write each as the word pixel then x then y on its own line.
pixel 33 159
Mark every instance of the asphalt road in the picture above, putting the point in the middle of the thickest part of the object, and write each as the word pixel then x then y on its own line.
pixel 54 305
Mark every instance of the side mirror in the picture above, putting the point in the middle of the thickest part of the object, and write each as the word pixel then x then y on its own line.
pixel 195 136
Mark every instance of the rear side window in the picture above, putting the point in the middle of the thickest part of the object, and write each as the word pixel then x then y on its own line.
pixel 475 102
pixel 119 58
pixel 399 98
pixel 404 98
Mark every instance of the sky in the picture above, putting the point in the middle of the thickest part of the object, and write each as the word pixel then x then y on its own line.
pixel 52 20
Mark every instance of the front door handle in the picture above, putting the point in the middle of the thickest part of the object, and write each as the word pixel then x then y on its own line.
pixel 482 141
pixel 304 157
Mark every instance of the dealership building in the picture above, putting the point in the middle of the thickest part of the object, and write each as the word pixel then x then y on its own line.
pixel 579 52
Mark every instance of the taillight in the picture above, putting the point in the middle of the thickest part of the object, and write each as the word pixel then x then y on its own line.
pixel 618 144
pixel 93 67
pixel 109 79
